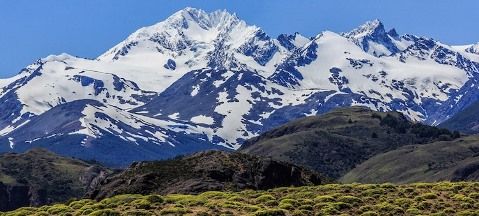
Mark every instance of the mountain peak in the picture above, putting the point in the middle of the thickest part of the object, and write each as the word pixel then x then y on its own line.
pixel 202 18
pixel 369 28
pixel 473 49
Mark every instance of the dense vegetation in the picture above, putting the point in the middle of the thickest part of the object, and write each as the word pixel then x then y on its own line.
pixel 443 198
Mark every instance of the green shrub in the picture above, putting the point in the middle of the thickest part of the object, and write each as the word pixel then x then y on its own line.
pixel 174 211
pixel 429 196
pixel 138 212
pixel 403 202
pixel 286 206
pixel 349 199
pixel 468 213
pixel 264 198
pixel 59 209
pixel 270 212
pixel 370 213
pixel 306 207
pixel 413 211
pixel 105 212
pixel 141 204
pixel 324 198
pixel 80 203
pixel 154 199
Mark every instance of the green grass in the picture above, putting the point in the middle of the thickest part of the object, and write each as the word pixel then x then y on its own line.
pixel 445 198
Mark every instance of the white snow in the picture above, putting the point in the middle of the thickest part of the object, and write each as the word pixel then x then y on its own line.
pixel 189 37
pixel 10 141
pixel 202 119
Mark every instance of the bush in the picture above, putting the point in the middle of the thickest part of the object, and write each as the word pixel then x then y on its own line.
pixel 370 213
pixel 264 198
pixel 349 199
pixel 174 211
pixel 141 204
pixel 105 212
pixel 324 198
pixel 429 196
pixel 59 209
pixel 154 199
pixel 270 212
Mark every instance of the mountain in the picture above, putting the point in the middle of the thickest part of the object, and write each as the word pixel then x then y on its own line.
pixel 92 130
pixel 201 80
pixel 39 177
pixel 466 121
pixel 335 142
pixel 455 160
pixel 204 171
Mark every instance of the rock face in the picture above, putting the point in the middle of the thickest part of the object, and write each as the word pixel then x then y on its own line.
pixel 39 177
pixel 466 121
pixel 12 197
pixel 336 142
pixel 205 171
pixel 455 160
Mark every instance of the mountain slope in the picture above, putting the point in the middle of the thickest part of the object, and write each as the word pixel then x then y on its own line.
pixel 455 160
pixel 211 170
pixel 466 121
pixel 39 177
pixel 91 130
pixel 335 142
pixel 212 79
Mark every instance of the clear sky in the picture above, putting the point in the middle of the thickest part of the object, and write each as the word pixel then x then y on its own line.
pixel 30 30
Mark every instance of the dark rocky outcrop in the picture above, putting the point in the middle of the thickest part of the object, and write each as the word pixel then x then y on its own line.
pixel 205 171
pixel 40 177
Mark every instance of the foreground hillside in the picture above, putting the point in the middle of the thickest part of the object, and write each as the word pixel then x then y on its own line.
pixel 338 141
pixel 349 199
pixel 40 177
pixel 455 160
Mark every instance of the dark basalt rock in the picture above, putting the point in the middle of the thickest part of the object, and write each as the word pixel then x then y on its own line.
pixel 205 171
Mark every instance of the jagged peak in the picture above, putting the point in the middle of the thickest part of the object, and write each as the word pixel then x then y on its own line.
pixel 369 28
pixel 293 41
pixel 60 57
pixel 202 17
pixel 183 27
pixel 393 33
pixel 473 48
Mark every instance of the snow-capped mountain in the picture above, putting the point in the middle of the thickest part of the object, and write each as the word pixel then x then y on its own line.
pixel 203 80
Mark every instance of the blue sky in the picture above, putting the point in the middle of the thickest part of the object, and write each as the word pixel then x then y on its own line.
pixel 33 29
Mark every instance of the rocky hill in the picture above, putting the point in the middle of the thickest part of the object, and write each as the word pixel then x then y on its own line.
pixel 456 160
pixel 336 142
pixel 205 171
pixel 39 177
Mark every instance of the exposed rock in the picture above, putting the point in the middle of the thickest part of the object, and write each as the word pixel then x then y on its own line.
pixel 205 171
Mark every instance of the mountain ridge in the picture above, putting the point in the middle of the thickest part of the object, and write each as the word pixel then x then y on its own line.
pixel 242 82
